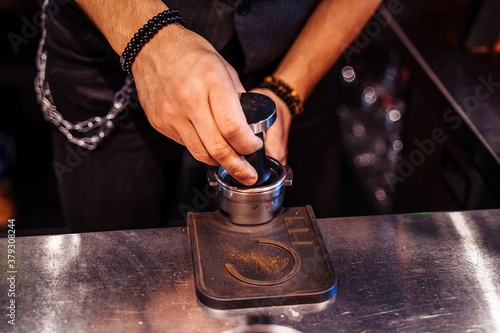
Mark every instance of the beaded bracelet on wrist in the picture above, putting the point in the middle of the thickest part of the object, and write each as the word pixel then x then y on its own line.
pixel 144 34
pixel 286 93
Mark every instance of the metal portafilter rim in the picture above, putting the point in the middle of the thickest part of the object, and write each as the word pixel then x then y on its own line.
pixel 219 176
pixel 251 205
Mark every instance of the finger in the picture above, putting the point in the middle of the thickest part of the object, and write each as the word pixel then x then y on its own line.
pixel 276 139
pixel 220 150
pixel 189 137
pixel 172 133
pixel 231 120
pixel 276 146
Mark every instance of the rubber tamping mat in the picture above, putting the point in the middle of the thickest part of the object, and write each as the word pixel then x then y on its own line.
pixel 281 262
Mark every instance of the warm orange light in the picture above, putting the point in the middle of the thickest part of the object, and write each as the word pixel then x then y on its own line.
pixel 496 47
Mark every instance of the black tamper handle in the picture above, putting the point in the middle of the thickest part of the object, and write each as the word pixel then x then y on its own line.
pixel 260 112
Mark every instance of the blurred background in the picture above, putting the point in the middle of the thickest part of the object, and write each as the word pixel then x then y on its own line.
pixel 28 188
pixel 400 82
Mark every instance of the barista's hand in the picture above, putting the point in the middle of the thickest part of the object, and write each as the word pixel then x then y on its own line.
pixel 276 138
pixel 190 94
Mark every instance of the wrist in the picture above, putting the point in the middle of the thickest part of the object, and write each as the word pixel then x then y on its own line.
pixel 296 77
pixel 286 93
pixel 147 32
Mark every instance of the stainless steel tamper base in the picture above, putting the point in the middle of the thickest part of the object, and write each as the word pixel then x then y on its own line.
pixel 260 112
pixel 251 205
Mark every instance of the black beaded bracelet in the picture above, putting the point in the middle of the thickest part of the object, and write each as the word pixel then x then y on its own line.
pixel 286 93
pixel 144 34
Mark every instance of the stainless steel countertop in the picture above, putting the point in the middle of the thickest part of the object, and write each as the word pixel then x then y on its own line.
pixel 421 272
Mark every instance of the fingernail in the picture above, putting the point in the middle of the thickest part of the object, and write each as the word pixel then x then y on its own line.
pixel 250 180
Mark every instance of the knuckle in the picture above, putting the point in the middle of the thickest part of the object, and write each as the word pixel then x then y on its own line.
pixel 185 94
pixel 210 61
pixel 159 117
pixel 212 68
pixel 237 171
pixel 230 129
pixel 220 150
pixel 155 121
pixel 232 72
pixel 212 77
pixel 200 154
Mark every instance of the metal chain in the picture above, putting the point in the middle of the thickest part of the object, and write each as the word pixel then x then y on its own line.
pixel 101 126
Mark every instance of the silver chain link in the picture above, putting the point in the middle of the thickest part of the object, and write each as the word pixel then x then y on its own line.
pixel 101 126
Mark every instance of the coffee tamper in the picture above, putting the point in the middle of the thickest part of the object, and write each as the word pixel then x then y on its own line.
pixel 260 202
pixel 260 112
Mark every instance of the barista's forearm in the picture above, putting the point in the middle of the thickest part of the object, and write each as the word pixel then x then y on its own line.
pixel 118 20
pixel 330 29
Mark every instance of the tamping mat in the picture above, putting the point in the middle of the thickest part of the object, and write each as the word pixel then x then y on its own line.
pixel 281 262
